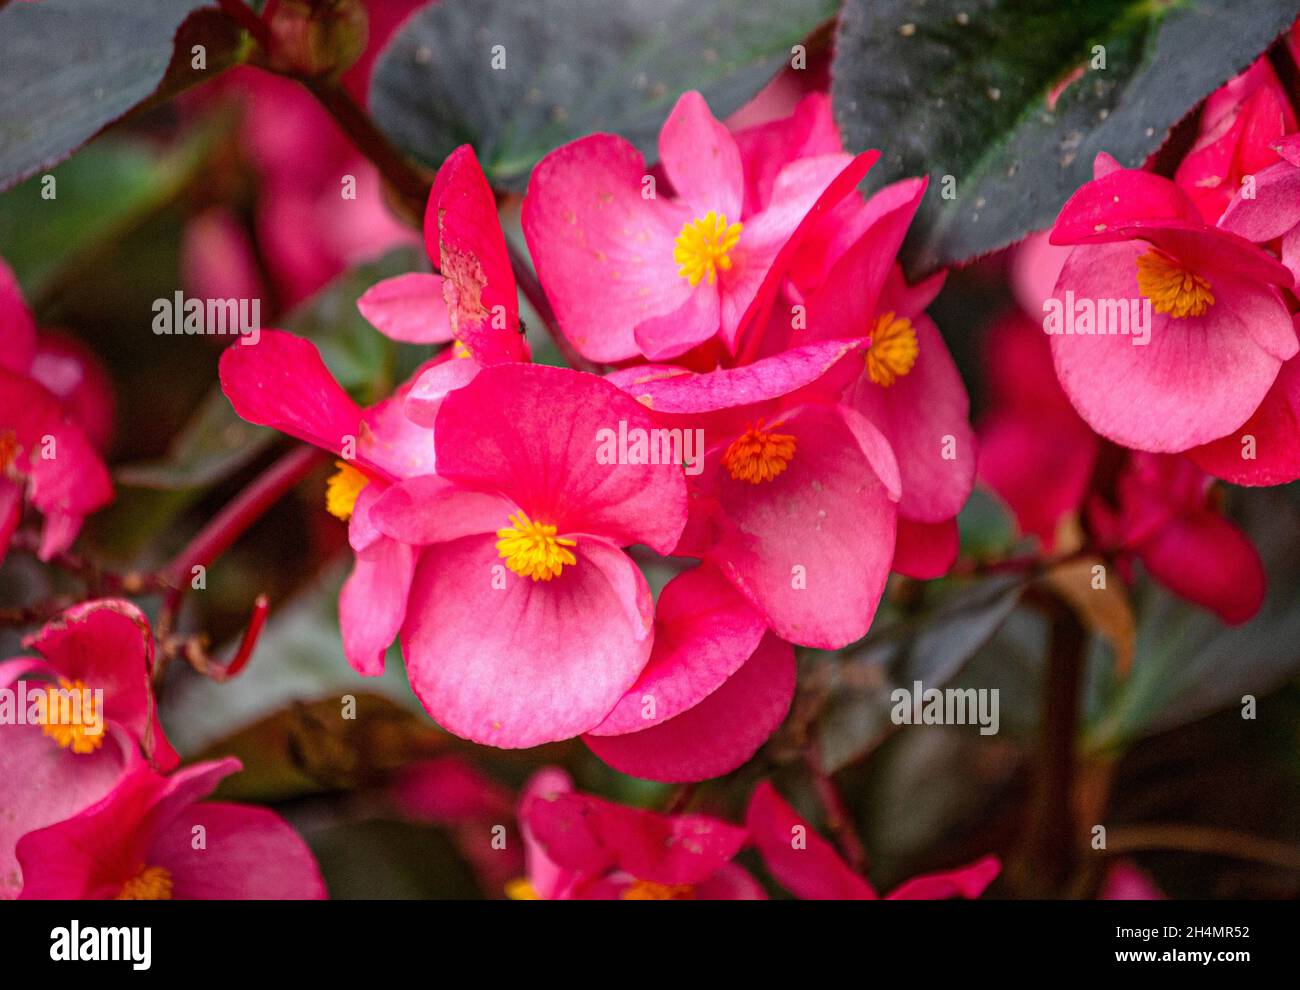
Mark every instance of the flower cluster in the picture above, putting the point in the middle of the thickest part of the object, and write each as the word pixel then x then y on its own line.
pixel 781 423
pixel 92 804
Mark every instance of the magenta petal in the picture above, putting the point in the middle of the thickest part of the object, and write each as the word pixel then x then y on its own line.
pixel 17 328
pixel 42 783
pixel 73 373
pixel 1100 210
pixel 705 631
pixel 282 382
pixel 690 324
pixel 248 854
pixel 603 251
pixel 966 882
pixel 432 385
pixel 1271 436
pixel 702 159
pixel 812 547
pixel 588 834
pixel 718 734
pixel 801 860
pixel 372 603
pixel 1207 560
pixel 534 434
pixel 925 551
pixel 408 307
pixel 510 662
pixel 1198 379
pixel 463 235
pixel 425 510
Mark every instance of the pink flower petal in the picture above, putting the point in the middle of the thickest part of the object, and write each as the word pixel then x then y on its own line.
pixel 408 307
pixel 701 159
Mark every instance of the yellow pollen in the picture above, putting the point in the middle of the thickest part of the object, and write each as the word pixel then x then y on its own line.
pixel 342 489
pixel 459 350
pixel 152 883
pixel 71 717
pixel 703 246
pixel 532 549
pixel 519 889
pixel 893 349
pixel 648 890
pixel 757 455
pixel 1172 288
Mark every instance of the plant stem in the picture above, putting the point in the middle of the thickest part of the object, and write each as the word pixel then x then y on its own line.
pixel 1050 847
pixel 838 819
pixel 1201 839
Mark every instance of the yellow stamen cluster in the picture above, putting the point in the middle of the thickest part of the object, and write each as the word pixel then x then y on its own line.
pixel 342 490
pixel 152 883
pixel 520 889
pixel 758 455
pixel 83 731
pixel 532 549
pixel 1172 288
pixel 703 248
pixel 893 349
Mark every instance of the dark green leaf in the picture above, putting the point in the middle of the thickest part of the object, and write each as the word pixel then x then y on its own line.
pixel 952 88
pixel 73 66
pixel 572 67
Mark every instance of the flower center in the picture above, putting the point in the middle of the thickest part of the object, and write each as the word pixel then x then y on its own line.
pixel 1172 288
pixel 758 455
pixel 648 890
pixel 459 350
pixel 152 883
pixel 72 718
pixel 703 245
pixel 520 889
pixel 893 349
pixel 532 549
pixel 342 489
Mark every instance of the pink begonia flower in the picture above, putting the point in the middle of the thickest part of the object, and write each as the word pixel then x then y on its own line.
pixel 1219 329
pixel 452 793
pixel 52 770
pixel 632 271
pixel 580 847
pixel 281 382
pixel 150 838
pixel 716 686
pixel 47 459
pixel 795 498
pixel 474 300
pixel 806 865
pixel 526 621
pixel 1034 450
pixel 1241 122
pixel 1167 519
pixel 1035 266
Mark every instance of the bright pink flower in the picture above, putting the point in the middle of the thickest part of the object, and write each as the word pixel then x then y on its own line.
pixel 151 839
pixel 526 621
pixel 1219 330
pixel 1035 452
pixel 714 689
pixel 1241 122
pixel 47 460
pixel 795 499
pixel 474 300
pixel 807 866
pixel 581 847
pixel 631 271
pixel 1126 881
pixel 1167 519
pixel 53 770
pixel 282 382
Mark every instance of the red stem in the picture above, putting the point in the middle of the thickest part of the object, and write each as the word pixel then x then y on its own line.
pixel 838 819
